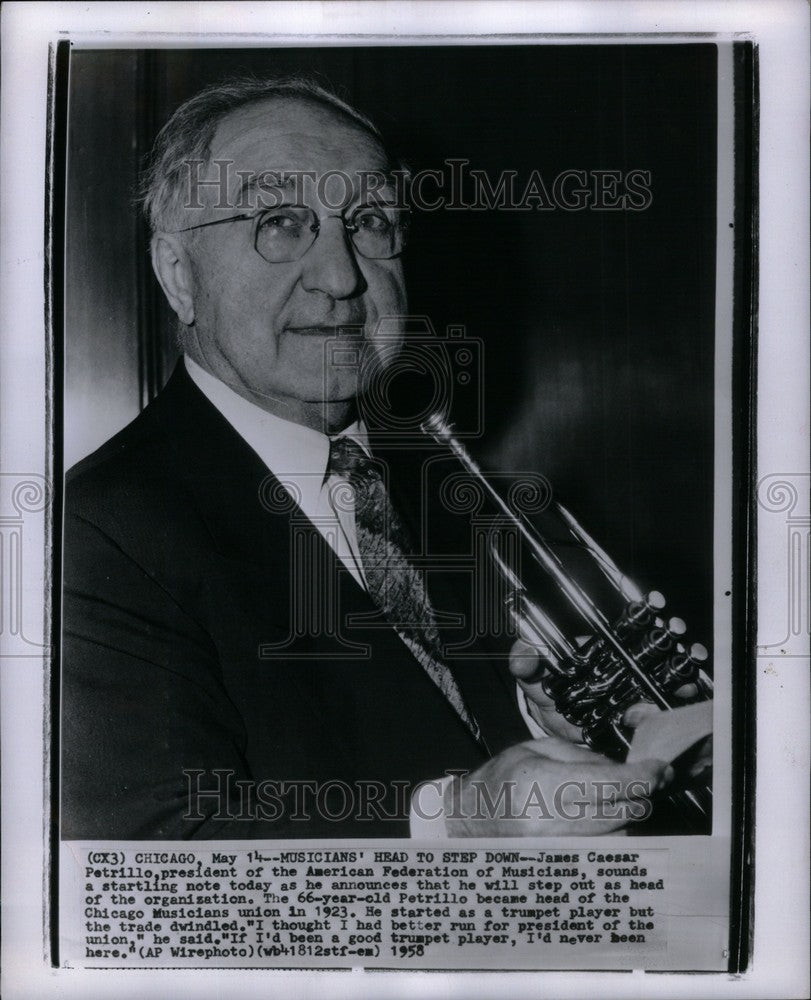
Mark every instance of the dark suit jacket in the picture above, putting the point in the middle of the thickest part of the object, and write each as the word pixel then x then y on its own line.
pixel 178 548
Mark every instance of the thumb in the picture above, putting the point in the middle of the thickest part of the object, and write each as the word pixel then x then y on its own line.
pixel 656 774
pixel 526 668
pixel 524 662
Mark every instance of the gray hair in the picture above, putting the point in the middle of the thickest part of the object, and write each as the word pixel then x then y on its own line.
pixel 187 135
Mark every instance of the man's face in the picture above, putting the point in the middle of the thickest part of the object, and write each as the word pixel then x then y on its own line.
pixel 261 327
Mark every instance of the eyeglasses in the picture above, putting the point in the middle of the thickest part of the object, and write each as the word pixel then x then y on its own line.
pixel 281 235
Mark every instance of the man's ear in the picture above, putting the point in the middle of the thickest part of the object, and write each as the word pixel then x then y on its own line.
pixel 173 270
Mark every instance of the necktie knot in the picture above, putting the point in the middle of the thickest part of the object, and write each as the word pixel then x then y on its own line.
pixel 348 459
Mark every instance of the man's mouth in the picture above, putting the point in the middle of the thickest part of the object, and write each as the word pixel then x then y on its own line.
pixel 338 330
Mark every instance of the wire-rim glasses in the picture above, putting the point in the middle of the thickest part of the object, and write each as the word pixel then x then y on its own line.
pixel 284 234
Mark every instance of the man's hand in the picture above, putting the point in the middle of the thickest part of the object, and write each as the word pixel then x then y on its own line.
pixel 526 667
pixel 550 787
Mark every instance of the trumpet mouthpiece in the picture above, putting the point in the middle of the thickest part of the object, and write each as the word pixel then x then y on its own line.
pixel 437 426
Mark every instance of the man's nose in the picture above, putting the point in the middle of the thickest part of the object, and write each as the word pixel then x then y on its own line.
pixel 330 265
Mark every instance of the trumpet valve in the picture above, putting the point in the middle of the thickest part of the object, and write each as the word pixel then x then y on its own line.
pixel 639 614
pixel 658 640
pixel 682 667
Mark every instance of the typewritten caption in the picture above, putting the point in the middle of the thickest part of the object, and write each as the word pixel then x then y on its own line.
pixel 367 907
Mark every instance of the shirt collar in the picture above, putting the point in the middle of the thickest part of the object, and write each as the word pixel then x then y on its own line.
pixel 295 454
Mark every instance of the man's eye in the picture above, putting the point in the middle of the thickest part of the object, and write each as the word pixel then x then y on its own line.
pixel 283 220
pixel 373 221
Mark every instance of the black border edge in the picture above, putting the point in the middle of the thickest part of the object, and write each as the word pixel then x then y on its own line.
pixel 54 276
pixel 744 485
pixel 150 366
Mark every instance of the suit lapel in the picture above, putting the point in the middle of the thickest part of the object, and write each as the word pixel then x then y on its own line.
pixel 249 514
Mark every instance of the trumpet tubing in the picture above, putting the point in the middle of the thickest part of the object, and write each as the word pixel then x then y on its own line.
pixel 637 655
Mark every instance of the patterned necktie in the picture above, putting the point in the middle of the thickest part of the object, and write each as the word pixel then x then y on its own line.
pixel 395 586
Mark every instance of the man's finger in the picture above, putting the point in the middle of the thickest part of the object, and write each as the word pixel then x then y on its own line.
pixel 591 827
pixel 557 748
pixel 637 779
pixel 603 798
pixel 636 713
pixel 527 668
pixel 524 661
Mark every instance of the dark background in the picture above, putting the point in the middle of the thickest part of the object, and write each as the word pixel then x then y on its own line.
pixel 598 326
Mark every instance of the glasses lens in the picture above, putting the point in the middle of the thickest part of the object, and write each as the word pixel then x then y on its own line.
pixel 379 231
pixel 286 233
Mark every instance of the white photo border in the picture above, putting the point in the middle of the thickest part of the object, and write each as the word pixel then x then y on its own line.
pixel 781 32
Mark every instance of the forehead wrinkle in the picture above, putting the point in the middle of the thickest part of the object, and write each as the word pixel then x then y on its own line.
pixel 299 173
pixel 289 120
pixel 263 182
pixel 248 140
pixel 300 151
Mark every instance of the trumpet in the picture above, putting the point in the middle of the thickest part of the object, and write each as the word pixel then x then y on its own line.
pixel 638 655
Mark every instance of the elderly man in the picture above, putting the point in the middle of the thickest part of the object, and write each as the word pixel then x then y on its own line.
pixel 217 682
